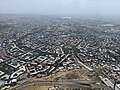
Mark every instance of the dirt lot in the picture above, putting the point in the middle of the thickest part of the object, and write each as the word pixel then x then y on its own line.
pixel 37 88
pixel 77 74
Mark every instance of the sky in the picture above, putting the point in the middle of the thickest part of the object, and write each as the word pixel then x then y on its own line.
pixel 60 7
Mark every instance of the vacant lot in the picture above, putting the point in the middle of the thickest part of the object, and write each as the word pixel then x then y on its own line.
pixel 77 74
pixel 37 88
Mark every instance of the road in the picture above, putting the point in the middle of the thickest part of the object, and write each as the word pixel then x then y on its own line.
pixel 72 83
pixel 108 83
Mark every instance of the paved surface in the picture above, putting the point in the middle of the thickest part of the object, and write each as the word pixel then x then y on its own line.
pixel 73 83
pixel 108 83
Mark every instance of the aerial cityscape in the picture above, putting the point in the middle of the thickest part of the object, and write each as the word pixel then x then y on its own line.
pixel 32 48
pixel 59 44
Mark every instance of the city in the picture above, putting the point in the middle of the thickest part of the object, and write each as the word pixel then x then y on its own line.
pixel 40 46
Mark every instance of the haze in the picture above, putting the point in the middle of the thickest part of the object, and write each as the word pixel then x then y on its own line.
pixel 60 7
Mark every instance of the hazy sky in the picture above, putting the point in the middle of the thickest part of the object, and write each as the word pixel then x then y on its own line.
pixel 88 7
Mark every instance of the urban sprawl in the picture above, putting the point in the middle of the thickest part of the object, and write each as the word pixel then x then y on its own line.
pixel 38 46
